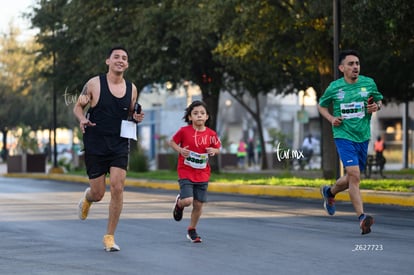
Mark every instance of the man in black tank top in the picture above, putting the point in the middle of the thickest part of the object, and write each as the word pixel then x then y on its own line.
pixel 111 101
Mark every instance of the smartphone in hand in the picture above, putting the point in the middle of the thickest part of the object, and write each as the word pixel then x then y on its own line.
pixel 137 108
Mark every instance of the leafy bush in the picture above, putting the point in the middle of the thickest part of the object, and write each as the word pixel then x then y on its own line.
pixel 138 161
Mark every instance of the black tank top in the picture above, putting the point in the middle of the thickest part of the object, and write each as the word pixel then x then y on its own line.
pixel 104 138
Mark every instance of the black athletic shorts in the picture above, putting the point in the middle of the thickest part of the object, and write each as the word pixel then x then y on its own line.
pixel 97 166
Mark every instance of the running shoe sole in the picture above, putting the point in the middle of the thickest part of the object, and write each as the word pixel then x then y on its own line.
pixel 325 202
pixel 196 240
pixel 178 215
pixel 366 225
pixel 109 244
pixel 114 248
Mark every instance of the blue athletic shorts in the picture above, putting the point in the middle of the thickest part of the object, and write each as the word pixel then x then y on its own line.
pixel 197 190
pixel 352 153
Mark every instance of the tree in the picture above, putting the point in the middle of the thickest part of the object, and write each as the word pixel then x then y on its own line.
pixel 17 78
pixel 253 47
pixel 275 47
pixel 386 43
pixel 165 44
pixel 176 41
pixel 55 58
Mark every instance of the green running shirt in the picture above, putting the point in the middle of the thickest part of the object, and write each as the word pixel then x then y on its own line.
pixel 349 102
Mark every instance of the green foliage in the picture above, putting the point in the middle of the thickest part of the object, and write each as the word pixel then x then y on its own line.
pixel 225 142
pixel 278 139
pixel 172 161
pixel 393 182
pixel 138 162
pixel 385 39
pixel 27 142
pixel 65 163
pixel 258 45
pixel 286 179
pixel 17 82
pixel 254 47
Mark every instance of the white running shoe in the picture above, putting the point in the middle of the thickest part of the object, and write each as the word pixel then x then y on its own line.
pixel 109 244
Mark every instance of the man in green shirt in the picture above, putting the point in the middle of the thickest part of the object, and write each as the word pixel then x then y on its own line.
pixel 354 98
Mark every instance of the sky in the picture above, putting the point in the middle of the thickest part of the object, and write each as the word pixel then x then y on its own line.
pixel 12 10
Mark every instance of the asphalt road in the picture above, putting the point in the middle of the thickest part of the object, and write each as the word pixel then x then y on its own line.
pixel 41 234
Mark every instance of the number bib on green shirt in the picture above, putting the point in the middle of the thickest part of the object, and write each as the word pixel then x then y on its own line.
pixel 352 110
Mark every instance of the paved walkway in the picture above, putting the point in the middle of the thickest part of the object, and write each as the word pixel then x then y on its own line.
pixel 369 196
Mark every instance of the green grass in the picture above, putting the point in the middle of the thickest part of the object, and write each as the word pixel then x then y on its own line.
pixel 400 181
pixel 404 172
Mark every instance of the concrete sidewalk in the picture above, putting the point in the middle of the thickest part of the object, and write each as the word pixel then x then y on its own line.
pixel 368 196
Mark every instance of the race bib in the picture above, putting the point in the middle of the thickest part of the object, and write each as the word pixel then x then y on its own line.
pixel 352 110
pixel 197 161
pixel 129 129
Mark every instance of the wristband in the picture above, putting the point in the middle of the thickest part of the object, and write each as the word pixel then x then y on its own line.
pixel 379 105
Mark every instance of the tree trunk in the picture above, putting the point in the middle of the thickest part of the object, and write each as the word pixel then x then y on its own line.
pixel 257 117
pixel 212 101
pixel 4 151
pixel 330 159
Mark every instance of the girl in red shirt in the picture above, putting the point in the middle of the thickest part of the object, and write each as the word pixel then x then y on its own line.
pixel 195 143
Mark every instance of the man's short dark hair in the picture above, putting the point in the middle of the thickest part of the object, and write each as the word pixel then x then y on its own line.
pixel 343 54
pixel 117 48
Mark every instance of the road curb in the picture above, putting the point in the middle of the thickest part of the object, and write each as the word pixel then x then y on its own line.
pixel 368 196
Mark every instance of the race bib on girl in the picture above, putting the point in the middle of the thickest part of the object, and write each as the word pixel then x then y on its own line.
pixel 196 160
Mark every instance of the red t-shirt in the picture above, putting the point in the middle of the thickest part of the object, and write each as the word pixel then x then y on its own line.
pixel 195 167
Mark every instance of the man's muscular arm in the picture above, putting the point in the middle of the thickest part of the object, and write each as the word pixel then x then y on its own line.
pixel 83 100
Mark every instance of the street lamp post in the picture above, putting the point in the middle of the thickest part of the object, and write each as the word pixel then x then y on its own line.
pixel 55 165
pixel 336 37
pixel 55 168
